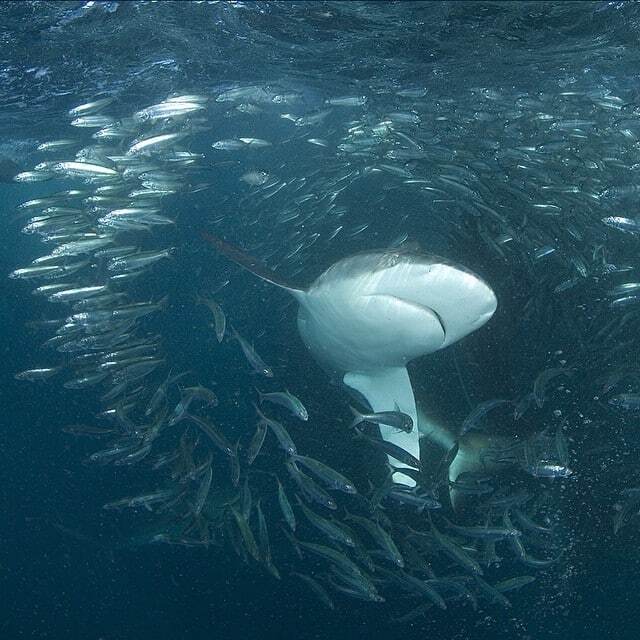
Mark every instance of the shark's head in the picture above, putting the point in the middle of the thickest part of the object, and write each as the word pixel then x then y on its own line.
pixel 384 309
pixel 460 298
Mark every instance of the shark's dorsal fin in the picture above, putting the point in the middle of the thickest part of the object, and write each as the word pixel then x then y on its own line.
pixel 252 264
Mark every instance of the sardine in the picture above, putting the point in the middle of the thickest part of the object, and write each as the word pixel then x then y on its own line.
pixel 219 318
pixel 34 375
pixel 256 362
pixel 91 107
pixel 309 488
pixel 287 400
pixel 392 450
pixel 285 507
pixel 280 433
pixel 395 419
pixel 257 441
pixel 382 538
pixel 325 473
pixel 331 529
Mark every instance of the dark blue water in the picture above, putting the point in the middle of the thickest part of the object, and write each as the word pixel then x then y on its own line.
pixel 525 134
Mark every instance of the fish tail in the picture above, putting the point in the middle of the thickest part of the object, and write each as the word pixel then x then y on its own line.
pixel 357 418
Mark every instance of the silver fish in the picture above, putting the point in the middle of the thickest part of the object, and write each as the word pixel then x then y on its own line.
pixel 33 375
pixel 395 419
pixel 89 121
pixel 219 318
pixel 280 433
pixel 255 178
pixel 347 101
pixel 255 142
pixel 330 476
pixel 256 362
pixel 83 169
pixel 149 145
pixel 287 400
pixel 90 107
pixel 80 293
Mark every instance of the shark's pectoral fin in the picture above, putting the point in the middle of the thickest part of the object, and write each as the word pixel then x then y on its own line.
pixel 389 389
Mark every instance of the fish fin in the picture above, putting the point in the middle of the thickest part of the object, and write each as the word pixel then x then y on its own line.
pixel 382 388
pixel 251 264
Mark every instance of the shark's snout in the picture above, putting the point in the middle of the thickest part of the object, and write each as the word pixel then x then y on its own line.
pixel 462 300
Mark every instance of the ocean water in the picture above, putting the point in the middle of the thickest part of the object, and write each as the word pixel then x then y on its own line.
pixel 502 136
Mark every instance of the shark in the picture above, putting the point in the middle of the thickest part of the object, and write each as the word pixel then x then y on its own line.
pixel 369 314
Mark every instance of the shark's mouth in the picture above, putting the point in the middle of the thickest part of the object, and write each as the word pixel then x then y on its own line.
pixel 416 306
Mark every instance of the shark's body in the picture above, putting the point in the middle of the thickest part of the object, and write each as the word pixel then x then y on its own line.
pixel 368 315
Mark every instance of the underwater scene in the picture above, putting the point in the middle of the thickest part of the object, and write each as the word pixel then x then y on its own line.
pixel 320 320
